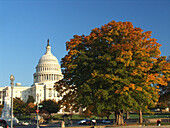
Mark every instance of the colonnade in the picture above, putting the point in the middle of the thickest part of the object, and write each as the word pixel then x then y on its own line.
pixel 41 68
pixel 46 77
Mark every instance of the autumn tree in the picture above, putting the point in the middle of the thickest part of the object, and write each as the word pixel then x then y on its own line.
pixel 165 92
pixel 104 114
pixel 165 95
pixel 86 114
pixel 50 106
pixel 161 105
pixel 164 99
pixel 117 67
pixel 31 107
pixel 20 107
pixel 30 99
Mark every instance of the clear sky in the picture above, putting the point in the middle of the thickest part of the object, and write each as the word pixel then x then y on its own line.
pixel 25 26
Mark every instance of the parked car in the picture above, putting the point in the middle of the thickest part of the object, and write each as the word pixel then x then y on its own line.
pixel 87 121
pixel 106 121
pixel 25 123
pixel 94 121
pixel 3 124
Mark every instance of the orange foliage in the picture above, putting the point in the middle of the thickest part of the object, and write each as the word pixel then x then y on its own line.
pixel 31 105
pixel 132 86
pixel 125 88
pixel 139 89
pixel 117 91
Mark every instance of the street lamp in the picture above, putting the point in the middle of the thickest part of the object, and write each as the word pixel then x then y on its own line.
pixel 37 109
pixel 12 78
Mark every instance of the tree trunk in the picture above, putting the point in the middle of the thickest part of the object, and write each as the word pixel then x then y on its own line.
pixel 127 114
pixel 140 117
pixel 119 118
pixel 161 110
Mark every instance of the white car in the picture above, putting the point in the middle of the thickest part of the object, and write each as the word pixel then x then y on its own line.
pixel 87 121
pixel 25 123
pixel 106 121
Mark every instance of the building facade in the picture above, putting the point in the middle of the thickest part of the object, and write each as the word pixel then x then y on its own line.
pixel 168 59
pixel 48 72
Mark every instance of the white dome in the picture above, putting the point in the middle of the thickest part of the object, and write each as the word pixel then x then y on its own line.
pixel 48 68
pixel 48 58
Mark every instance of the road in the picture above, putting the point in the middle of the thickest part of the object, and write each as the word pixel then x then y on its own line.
pixel 137 126
pixel 134 126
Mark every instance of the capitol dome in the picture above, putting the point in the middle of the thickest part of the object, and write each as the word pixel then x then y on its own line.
pixel 48 68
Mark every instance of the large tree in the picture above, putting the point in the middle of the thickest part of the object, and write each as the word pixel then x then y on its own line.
pixel 164 99
pixel 50 106
pixel 117 67
pixel 31 107
pixel 165 94
pixel 30 99
pixel 20 107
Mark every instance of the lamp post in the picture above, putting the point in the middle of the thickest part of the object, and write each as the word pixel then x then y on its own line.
pixel 12 78
pixel 37 110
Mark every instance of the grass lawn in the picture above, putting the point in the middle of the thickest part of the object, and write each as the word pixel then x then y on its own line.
pixel 131 116
pixel 147 116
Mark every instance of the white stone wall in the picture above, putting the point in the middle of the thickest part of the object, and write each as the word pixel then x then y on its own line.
pixel 18 91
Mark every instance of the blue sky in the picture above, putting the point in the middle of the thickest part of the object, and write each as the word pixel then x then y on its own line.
pixel 25 26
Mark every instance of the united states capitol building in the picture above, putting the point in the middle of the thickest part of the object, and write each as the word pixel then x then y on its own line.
pixel 48 71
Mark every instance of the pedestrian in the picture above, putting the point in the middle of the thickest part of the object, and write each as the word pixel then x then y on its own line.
pixel 71 122
pixel 158 122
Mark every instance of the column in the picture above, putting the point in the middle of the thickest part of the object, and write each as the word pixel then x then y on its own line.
pixel 40 77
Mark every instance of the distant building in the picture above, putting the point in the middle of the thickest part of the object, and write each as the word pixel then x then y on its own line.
pixel 19 91
pixel 168 59
pixel 48 72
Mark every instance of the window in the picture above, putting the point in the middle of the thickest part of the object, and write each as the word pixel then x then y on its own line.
pixel 54 94
pixel 50 92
